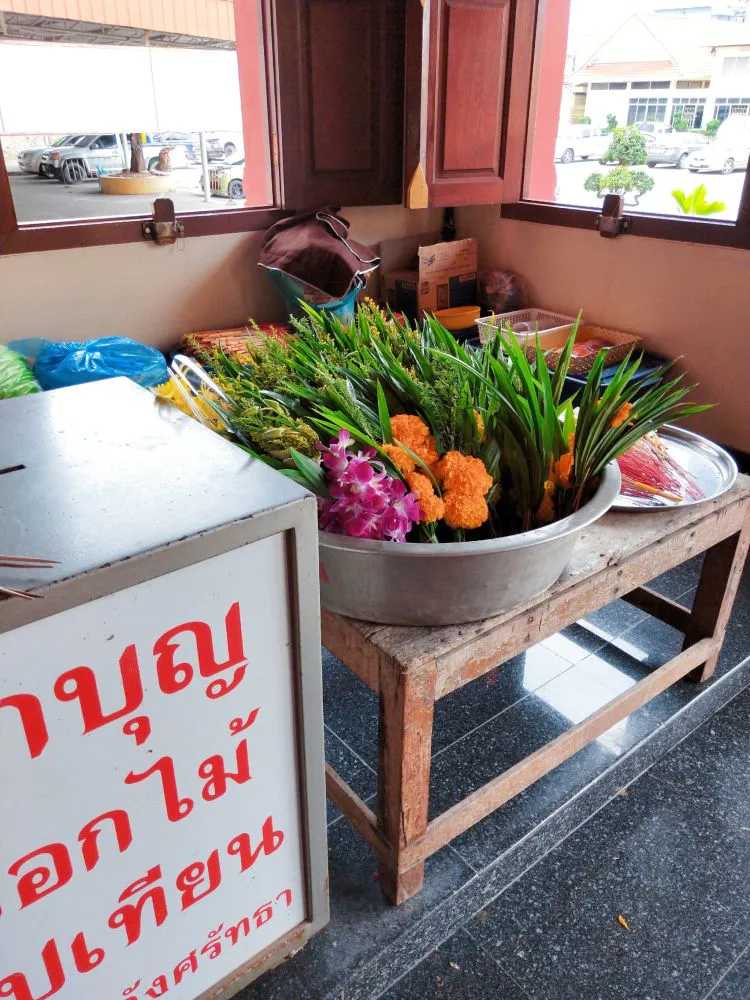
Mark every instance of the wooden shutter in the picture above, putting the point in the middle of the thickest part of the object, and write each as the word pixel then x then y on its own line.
pixel 339 77
pixel 456 89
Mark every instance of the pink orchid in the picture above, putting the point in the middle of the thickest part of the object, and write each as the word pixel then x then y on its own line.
pixel 365 502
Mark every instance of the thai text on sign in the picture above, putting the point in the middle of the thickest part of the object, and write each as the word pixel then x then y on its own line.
pixel 151 834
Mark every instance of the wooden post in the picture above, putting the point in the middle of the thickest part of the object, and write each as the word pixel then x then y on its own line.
pixel 717 589
pixel 407 703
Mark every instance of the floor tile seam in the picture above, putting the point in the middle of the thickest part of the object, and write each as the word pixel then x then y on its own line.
pixel 367 801
pixel 418 962
pixel 726 972
pixel 507 708
pixel 351 750
pixel 454 850
pixel 497 962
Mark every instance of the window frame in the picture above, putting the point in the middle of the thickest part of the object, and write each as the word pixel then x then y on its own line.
pixel 516 168
pixel 62 234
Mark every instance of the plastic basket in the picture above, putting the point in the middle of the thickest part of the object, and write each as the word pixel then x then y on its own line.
pixel 525 323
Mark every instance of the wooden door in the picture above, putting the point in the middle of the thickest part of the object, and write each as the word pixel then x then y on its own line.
pixel 457 67
pixel 339 76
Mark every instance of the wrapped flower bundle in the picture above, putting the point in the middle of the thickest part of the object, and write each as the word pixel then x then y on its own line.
pixel 406 435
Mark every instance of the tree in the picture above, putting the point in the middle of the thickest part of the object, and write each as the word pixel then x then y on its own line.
pixel 696 203
pixel 620 180
pixel 628 147
pixel 680 123
pixel 611 122
pixel 137 161
pixel 712 127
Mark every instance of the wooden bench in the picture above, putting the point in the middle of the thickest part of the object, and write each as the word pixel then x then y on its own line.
pixel 410 668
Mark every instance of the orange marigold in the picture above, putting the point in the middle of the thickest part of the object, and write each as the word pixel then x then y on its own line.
pixel 545 513
pixel 622 415
pixel 465 510
pixel 403 462
pixel 414 433
pixel 563 470
pixel 430 504
pixel 462 472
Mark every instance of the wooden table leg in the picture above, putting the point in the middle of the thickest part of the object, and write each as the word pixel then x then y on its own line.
pixel 407 703
pixel 717 589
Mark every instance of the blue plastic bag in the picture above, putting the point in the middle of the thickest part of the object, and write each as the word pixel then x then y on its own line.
pixel 71 363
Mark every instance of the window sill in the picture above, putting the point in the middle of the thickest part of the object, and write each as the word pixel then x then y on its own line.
pixel 655 227
pixel 39 237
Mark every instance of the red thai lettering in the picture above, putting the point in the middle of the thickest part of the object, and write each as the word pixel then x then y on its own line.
pixel 233 931
pixel 88 838
pixel 176 807
pixel 85 958
pixel 263 914
pixel 158 988
pixel 130 916
pixel 212 947
pixel 139 727
pixel 39 882
pixel 174 674
pixel 286 894
pixel 239 725
pixel 214 769
pixel 80 683
pixel 199 880
pixel 17 986
pixel 241 845
pixel 30 711
pixel 189 964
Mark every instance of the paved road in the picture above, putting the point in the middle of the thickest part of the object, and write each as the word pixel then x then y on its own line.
pixel 726 188
pixel 40 200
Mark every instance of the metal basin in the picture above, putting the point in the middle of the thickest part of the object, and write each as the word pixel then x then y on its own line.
pixel 452 583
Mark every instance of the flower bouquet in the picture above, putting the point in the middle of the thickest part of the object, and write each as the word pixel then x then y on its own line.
pixel 407 436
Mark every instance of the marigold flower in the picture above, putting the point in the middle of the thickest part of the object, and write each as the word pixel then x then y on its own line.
pixel 411 431
pixel 430 504
pixel 456 471
pixel 465 483
pixel 545 512
pixel 563 470
pixel 465 510
pixel 403 462
pixel 622 415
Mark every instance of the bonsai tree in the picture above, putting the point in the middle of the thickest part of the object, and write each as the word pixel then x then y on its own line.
pixel 679 122
pixel 628 147
pixel 712 127
pixel 696 203
pixel 611 122
pixel 620 180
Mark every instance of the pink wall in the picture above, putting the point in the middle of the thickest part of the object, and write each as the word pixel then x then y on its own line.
pixel 682 298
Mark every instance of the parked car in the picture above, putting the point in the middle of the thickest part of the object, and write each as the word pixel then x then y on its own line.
pixel 581 142
pixel 226 181
pixel 30 160
pixel 95 155
pixel 728 152
pixel 223 146
pixel 674 148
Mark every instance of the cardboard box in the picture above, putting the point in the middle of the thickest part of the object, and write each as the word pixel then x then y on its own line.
pixel 447 276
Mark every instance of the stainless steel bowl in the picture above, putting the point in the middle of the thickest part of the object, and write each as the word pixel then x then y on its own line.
pixel 452 583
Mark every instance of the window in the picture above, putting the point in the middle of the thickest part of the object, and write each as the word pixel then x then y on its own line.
pixel 647 109
pixel 693 84
pixel 691 110
pixel 736 66
pixel 634 151
pixel 650 85
pixel 609 86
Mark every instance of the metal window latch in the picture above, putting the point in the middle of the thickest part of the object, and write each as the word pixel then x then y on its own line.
pixel 163 229
pixel 612 222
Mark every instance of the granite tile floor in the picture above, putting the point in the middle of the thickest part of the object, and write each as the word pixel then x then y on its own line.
pixel 525 904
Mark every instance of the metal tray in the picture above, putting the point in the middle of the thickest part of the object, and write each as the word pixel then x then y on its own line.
pixel 712 468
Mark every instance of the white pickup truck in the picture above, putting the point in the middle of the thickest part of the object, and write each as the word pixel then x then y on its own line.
pixel 95 155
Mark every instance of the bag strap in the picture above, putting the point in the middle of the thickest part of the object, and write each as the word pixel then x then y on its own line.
pixel 336 225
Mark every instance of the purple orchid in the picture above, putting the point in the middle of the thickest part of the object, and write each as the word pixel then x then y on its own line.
pixel 365 502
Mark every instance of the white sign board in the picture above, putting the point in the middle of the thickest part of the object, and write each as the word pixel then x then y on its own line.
pixel 152 835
